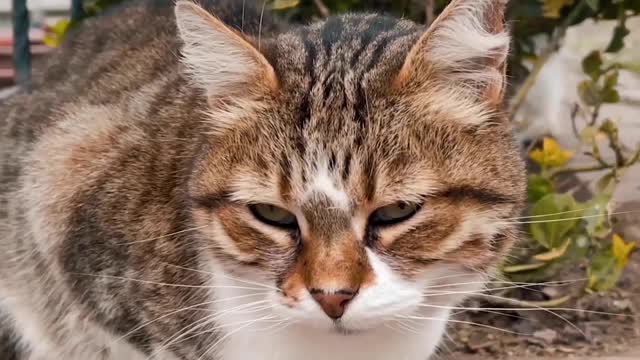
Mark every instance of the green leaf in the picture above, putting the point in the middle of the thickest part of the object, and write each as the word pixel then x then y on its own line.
pixel 606 183
pixel 522 268
pixel 609 127
pixel 284 4
pixel 611 80
pixel 607 264
pixel 537 187
pixel 610 96
pixel 551 154
pixel 555 253
pixel 591 64
pixel 593 4
pixel 555 216
pixel 596 216
pixel 589 93
pixel 617 41
pixel 578 248
pixel 603 272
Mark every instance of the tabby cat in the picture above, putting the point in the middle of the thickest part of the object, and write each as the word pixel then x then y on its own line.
pixel 182 185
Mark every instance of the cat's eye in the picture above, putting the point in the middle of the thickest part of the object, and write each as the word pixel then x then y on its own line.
pixel 274 216
pixel 393 214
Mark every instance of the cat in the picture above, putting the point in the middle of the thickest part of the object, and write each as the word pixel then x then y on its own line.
pixel 182 185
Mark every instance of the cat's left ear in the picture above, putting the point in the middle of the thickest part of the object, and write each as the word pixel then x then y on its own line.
pixel 220 60
pixel 464 49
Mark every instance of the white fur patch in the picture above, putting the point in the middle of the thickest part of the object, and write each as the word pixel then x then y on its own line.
pixel 392 319
pixel 323 182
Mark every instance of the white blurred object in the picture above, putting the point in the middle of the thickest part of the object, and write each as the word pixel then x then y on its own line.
pixel 547 110
pixel 47 5
pixel 548 107
pixel 6 92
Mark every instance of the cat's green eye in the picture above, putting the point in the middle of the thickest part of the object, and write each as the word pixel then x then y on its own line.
pixel 274 216
pixel 393 214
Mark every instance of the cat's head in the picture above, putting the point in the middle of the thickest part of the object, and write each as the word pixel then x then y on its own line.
pixel 360 167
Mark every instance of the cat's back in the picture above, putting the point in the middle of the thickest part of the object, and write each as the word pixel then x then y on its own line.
pixel 126 58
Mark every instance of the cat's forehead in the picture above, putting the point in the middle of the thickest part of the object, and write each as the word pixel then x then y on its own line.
pixel 354 49
pixel 332 75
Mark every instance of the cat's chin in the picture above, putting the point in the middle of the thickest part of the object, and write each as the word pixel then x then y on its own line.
pixel 341 329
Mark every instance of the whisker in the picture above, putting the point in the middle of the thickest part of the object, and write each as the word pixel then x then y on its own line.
pixel 271 327
pixel 192 307
pixel 407 327
pixel 512 284
pixel 462 322
pixel 286 325
pixel 225 276
pixel 519 284
pixel 488 309
pixel 264 4
pixel 479 291
pixel 545 310
pixel 167 284
pixel 396 327
pixel 199 324
pixel 222 326
pixel 449 276
pixel 567 219
pixel 551 214
pixel 164 236
pixel 242 18
pixel 225 337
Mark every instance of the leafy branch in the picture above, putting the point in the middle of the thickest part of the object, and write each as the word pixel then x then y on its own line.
pixel 568 231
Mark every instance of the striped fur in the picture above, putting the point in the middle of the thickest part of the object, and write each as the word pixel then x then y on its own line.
pixel 130 166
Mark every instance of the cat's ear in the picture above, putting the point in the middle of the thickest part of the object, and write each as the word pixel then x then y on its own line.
pixel 220 60
pixel 465 49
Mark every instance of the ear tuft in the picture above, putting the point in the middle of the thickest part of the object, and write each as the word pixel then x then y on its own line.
pixel 467 47
pixel 218 59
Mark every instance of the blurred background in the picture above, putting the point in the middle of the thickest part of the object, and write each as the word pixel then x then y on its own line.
pixel 571 288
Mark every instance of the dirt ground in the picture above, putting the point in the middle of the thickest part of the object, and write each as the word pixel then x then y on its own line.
pixel 579 333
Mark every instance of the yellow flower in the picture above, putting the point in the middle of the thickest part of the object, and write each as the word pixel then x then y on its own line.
pixel 551 8
pixel 551 154
pixel 621 250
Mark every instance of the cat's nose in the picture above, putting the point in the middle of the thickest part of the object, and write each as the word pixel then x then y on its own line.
pixel 333 303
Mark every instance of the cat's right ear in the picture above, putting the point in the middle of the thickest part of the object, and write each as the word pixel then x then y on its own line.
pixel 220 60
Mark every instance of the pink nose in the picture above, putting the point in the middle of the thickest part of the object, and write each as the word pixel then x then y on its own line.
pixel 333 304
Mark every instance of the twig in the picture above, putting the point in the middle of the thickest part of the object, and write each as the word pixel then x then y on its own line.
pixel 614 144
pixel 545 55
pixel 430 10
pixel 322 8
pixel 634 158
pixel 580 170
pixel 595 114
pixel 595 154
pixel 603 166
pixel 574 115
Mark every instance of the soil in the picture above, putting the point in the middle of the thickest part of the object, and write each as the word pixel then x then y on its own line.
pixel 596 326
